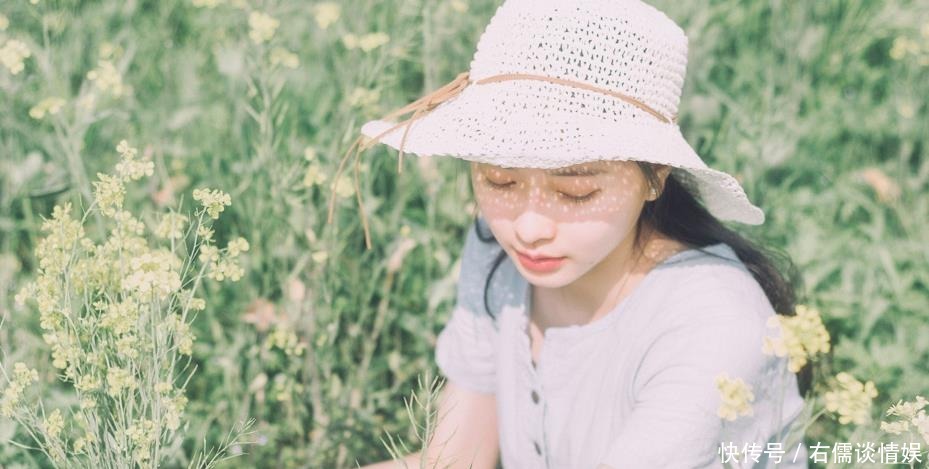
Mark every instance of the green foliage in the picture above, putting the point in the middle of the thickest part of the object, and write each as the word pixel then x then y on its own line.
pixel 818 107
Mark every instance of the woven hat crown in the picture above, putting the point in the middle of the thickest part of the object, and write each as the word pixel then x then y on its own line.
pixel 625 46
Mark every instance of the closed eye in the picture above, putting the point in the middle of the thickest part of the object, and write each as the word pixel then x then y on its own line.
pixel 565 196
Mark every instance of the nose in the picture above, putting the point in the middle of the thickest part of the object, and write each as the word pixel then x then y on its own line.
pixel 533 228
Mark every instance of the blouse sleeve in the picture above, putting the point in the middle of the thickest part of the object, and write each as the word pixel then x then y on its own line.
pixel 674 422
pixel 466 347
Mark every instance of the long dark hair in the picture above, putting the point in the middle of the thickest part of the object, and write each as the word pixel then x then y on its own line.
pixel 679 216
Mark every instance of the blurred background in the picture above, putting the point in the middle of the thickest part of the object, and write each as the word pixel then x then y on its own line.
pixel 818 108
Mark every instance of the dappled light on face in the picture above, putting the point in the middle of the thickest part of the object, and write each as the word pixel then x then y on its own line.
pixel 595 191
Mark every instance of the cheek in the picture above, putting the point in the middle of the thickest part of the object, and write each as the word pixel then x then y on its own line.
pixel 591 241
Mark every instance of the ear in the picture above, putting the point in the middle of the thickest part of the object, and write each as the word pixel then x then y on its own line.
pixel 663 172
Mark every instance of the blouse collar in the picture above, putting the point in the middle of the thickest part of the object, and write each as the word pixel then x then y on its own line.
pixel 579 330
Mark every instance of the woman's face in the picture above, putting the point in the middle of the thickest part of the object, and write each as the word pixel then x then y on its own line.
pixel 583 213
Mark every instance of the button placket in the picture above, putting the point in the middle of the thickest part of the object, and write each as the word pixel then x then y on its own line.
pixel 537 419
pixel 534 374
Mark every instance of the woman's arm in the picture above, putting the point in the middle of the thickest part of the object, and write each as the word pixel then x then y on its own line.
pixel 465 435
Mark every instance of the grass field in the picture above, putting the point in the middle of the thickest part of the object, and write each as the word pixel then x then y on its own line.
pixel 818 107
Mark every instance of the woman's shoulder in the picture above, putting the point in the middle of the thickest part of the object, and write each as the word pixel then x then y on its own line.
pixel 711 282
pixel 707 306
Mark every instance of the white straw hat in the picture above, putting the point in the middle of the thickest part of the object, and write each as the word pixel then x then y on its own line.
pixel 556 83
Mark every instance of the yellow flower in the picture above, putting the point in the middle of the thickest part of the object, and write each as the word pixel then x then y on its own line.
pixel 87 383
pixel 108 50
pixel 12 55
pixel 107 78
pixel 262 26
pixel 327 13
pixel 362 97
pixel 350 41
pixel 226 268
pixel 205 232
pixel 173 409
pixel 120 317
pixel 367 42
pixel 895 428
pixel 282 56
pixel 236 246
pixel 23 374
pixel 23 377
pixel 118 380
pixel 802 336
pixel 51 106
pixel 313 175
pixel 371 41
pixel 851 399
pixel 143 434
pixel 153 273
pixel 215 201
pixel 197 304
pixel 910 413
pixel 80 443
pixel 344 187
pixel 309 153
pixel 109 193
pixel 54 423
pixel 130 169
pixel 125 150
pixel 285 340
pixel 128 346
pixel 4 23
pixel 209 253
pixel 171 226
pixel 459 6
pixel 736 397
pixel 184 338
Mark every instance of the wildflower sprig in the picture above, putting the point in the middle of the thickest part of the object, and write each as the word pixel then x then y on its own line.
pixel 736 397
pixel 802 337
pixel 911 418
pixel 114 314
pixel 851 399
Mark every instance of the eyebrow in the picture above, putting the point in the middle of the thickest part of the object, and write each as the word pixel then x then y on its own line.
pixel 576 171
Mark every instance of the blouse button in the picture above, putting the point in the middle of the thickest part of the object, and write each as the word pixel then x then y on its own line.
pixel 535 396
pixel 538 449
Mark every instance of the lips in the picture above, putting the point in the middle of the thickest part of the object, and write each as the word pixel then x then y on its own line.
pixel 540 264
pixel 536 257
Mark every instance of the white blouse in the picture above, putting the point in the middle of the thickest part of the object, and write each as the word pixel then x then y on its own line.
pixel 635 388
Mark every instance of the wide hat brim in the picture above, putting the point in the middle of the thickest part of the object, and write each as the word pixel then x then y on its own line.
pixel 518 124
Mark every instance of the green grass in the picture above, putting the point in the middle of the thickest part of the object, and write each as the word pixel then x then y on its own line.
pixel 796 98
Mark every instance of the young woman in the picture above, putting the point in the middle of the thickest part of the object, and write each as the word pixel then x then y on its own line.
pixel 600 296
